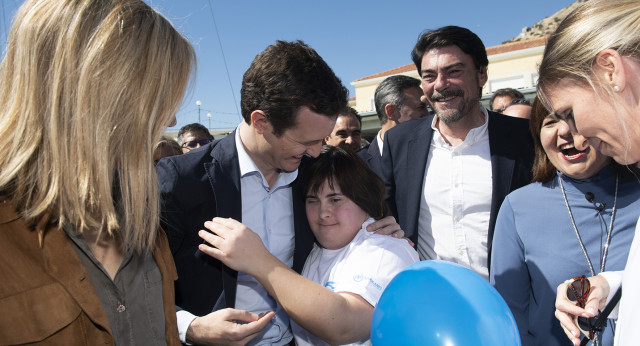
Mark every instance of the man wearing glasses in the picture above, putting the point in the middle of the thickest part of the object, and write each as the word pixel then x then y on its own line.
pixel 193 136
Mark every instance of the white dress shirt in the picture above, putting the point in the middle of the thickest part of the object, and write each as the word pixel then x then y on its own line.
pixel 380 142
pixel 269 213
pixel 456 200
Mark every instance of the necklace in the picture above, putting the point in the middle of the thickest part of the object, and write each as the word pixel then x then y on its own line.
pixel 608 241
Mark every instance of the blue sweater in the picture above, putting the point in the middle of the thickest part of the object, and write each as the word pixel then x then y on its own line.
pixel 535 247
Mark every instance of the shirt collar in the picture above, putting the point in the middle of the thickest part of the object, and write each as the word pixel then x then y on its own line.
pixel 246 163
pixel 475 134
pixel 248 167
pixel 380 142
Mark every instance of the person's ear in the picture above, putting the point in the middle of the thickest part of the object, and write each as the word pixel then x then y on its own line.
pixel 390 110
pixel 482 76
pixel 260 122
pixel 610 69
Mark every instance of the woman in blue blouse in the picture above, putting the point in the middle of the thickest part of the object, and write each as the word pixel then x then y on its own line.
pixel 576 218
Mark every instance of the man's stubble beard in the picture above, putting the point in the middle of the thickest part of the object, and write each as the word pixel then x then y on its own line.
pixel 452 115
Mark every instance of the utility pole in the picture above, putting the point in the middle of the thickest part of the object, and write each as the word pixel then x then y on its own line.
pixel 198 103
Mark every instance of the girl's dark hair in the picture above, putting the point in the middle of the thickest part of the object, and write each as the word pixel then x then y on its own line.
pixel 354 178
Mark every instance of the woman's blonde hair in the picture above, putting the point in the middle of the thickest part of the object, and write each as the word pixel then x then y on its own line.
pixel 86 90
pixel 591 28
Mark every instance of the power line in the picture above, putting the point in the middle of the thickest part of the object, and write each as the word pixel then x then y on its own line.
pixel 218 112
pixel 214 112
pixel 183 116
pixel 215 25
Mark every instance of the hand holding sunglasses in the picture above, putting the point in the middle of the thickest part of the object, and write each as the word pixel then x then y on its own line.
pixel 578 291
pixel 578 302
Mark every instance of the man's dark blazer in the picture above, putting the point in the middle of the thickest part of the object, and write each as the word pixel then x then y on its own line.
pixel 197 187
pixel 404 159
pixel 371 156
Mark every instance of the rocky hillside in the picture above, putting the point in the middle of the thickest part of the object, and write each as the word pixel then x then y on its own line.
pixel 545 26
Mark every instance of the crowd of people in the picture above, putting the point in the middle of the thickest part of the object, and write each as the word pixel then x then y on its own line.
pixel 289 229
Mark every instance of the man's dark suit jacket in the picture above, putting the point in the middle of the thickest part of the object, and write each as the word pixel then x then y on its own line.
pixel 371 156
pixel 197 187
pixel 404 159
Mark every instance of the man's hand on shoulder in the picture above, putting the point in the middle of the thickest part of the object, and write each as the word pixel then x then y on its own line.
pixel 227 327
pixel 388 226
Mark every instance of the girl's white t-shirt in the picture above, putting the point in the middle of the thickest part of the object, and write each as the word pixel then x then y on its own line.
pixel 364 267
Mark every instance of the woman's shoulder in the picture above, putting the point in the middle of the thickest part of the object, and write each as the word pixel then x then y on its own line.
pixel 527 204
pixel 528 192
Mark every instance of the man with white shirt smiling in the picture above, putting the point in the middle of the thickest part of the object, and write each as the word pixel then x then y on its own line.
pixel 447 174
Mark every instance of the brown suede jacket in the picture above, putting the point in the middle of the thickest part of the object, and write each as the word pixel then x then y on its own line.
pixel 46 294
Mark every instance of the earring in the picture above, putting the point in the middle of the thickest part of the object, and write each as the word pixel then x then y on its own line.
pixel 616 88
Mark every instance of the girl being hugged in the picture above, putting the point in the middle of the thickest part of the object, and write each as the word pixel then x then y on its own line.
pixel 348 268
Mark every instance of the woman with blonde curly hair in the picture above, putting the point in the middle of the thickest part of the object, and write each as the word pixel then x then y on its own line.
pixel 87 88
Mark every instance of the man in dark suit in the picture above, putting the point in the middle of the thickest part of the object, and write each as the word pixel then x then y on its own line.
pixel 290 99
pixel 447 174
pixel 397 100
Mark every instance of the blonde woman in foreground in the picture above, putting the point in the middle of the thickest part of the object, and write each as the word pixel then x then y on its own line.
pixel 590 76
pixel 87 87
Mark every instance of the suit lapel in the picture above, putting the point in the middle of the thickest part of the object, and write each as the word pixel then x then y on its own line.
pixel 303 236
pixel 374 149
pixel 417 152
pixel 224 175
pixel 374 158
pixel 501 168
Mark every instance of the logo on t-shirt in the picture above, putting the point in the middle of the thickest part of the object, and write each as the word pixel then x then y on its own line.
pixel 330 285
pixel 358 278
pixel 374 284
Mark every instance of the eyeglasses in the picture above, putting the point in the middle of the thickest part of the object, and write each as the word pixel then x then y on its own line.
pixel 194 144
pixel 578 291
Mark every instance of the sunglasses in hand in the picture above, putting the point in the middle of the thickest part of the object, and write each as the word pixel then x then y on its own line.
pixel 578 291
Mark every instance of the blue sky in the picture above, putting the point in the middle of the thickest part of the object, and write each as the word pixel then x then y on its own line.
pixel 357 38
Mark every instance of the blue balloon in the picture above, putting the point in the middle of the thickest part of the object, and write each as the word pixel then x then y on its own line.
pixel 442 303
